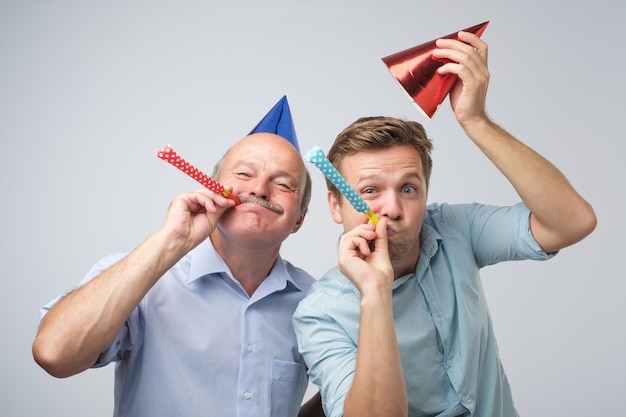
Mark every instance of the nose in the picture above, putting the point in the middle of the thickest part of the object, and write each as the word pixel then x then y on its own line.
pixel 259 187
pixel 390 206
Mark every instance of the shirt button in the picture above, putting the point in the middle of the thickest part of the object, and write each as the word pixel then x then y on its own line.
pixel 448 363
pixel 247 395
pixel 249 349
pixel 464 398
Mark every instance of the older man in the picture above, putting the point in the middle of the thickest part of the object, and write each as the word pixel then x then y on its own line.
pixel 198 316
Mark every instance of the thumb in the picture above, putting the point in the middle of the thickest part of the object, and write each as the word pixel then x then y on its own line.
pixel 381 243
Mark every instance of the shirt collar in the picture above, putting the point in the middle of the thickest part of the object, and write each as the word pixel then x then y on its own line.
pixel 204 260
pixel 430 240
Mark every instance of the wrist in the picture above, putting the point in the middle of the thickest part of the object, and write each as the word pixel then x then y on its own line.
pixel 481 130
pixel 380 298
pixel 167 246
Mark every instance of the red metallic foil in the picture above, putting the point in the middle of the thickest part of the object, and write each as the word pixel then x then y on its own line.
pixel 416 71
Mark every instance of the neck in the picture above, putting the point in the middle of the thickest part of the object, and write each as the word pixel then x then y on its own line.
pixel 401 269
pixel 248 266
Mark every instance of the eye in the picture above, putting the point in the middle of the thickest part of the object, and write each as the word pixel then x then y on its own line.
pixel 369 190
pixel 408 189
pixel 285 187
pixel 243 174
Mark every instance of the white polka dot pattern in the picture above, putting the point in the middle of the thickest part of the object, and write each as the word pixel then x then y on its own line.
pixel 316 156
pixel 169 155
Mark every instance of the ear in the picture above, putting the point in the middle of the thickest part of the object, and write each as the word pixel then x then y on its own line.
pixel 299 223
pixel 335 207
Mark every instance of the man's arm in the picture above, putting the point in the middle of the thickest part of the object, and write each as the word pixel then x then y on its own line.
pixel 378 387
pixel 560 216
pixel 82 324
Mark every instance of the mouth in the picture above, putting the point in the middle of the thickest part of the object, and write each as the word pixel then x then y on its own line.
pixel 261 202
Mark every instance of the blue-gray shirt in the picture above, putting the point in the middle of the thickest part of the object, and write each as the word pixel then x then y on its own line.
pixel 198 345
pixel 447 347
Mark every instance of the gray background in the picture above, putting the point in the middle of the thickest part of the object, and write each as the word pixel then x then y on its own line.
pixel 90 90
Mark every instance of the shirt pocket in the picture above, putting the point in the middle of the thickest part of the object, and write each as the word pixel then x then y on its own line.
pixel 289 383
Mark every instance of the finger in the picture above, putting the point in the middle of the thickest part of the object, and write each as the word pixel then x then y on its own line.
pixel 361 247
pixel 210 200
pixel 381 241
pixel 460 61
pixel 469 50
pixel 466 41
pixel 478 44
pixel 358 239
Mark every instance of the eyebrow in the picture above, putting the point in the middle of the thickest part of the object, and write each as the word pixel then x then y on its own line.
pixel 382 177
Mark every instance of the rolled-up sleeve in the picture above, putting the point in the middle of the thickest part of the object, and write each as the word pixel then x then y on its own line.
pixel 129 333
pixel 328 345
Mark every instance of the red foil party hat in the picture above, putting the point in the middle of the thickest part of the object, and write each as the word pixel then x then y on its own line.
pixel 416 71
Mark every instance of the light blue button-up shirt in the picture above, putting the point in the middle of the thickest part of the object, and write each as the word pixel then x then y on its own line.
pixel 447 347
pixel 198 345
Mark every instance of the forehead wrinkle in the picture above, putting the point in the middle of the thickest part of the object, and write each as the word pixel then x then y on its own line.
pixel 237 164
pixel 379 174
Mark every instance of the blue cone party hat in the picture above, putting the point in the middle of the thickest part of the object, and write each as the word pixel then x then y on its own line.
pixel 278 121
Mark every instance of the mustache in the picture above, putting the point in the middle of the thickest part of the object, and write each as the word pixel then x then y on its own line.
pixel 261 202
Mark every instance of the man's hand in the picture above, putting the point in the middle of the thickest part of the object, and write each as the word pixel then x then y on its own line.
pixel 469 63
pixel 192 217
pixel 364 257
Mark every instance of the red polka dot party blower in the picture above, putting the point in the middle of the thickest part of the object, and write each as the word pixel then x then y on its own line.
pixel 169 155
